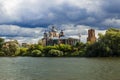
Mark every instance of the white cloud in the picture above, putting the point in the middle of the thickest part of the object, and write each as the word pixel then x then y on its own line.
pixel 35 12
pixel 20 10
pixel 74 31
pixel 14 30
pixel 30 40
pixel 112 22
pixel 32 35
pixel 29 35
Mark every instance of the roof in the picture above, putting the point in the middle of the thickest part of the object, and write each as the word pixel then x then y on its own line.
pixel 65 37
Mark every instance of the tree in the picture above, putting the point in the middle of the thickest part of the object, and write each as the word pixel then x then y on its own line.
pixel 107 45
pixel 36 53
pixel 1 42
pixel 47 49
pixel 10 48
pixel 98 49
pixel 23 51
pixel 55 53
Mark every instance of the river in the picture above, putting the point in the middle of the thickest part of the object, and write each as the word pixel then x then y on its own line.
pixel 29 68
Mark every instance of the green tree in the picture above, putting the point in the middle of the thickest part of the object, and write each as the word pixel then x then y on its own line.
pixel 2 53
pixel 107 45
pixel 47 49
pixel 65 48
pixel 10 48
pixel 1 43
pixel 55 53
pixel 36 53
pixel 23 51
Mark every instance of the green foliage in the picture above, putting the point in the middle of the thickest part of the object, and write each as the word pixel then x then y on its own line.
pixel 64 47
pixel 107 45
pixel 98 50
pixel 55 53
pixel 80 45
pixel 34 47
pixel 23 51
pixel 10 49
pixel 79 53
pixel 2 53
pixel 36 53
pixel 47 49
pixel 1 42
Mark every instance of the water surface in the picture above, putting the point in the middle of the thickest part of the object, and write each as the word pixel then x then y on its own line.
pixel 28 68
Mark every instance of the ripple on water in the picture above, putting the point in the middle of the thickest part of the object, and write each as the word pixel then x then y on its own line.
pixel 28 68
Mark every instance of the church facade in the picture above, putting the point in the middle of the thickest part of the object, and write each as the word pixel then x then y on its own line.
pixel 52 37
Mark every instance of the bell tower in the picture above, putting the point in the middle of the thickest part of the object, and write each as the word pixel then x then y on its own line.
pixel 45 35
pixel 91 36
pixel 61 34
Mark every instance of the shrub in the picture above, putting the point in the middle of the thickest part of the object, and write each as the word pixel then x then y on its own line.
pixel 2 53
pixel 36 53
pixel 55 53
pixel 23 52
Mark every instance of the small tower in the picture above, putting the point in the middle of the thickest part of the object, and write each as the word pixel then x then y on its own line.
pixel 91 36
pixel 45 35
pixel 45 38
pixel 54 32
pixel 53 29
pixel 79 35
pixel 61 34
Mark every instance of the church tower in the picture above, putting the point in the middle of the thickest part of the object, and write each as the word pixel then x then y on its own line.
pixel 45 35
pixel 61 34
pixel 53 32
pixel 91 36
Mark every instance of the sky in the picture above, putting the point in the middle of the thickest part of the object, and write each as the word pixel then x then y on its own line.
pixel 26 20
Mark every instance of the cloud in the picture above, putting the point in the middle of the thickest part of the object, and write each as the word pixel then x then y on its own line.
pixel 28 19
pixel 13 30
pixel 32 13
pixel 76 30
pixel 112 22
pixel 29 35
pixel 32 35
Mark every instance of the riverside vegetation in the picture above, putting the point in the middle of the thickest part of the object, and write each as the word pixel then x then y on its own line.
pixel 107 45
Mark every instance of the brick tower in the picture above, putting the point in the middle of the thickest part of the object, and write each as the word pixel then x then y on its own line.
pixel 91 36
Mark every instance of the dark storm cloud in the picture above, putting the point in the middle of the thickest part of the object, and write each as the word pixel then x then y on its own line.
pixel 112 6
pixel 30 16
pixel 35 13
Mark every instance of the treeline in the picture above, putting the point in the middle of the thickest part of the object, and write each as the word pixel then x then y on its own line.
pixel 107 45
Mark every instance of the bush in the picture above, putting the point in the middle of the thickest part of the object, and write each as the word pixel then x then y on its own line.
pixel 36 53
pixel 10 49
pixel 47 49
pixel 64 47
pixel 23 52
pixel 2 53
pixel 78 54
pixel 55 53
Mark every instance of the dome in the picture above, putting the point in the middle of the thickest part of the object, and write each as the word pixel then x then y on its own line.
pixel 53 29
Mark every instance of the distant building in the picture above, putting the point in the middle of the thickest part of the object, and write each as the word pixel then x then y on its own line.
pixel 53 37
pixel 91 36
pixel 25 45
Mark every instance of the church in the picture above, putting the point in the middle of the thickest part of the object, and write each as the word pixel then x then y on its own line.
pixel 53 37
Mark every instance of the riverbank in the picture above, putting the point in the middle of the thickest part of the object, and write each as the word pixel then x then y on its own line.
pixel 108 45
